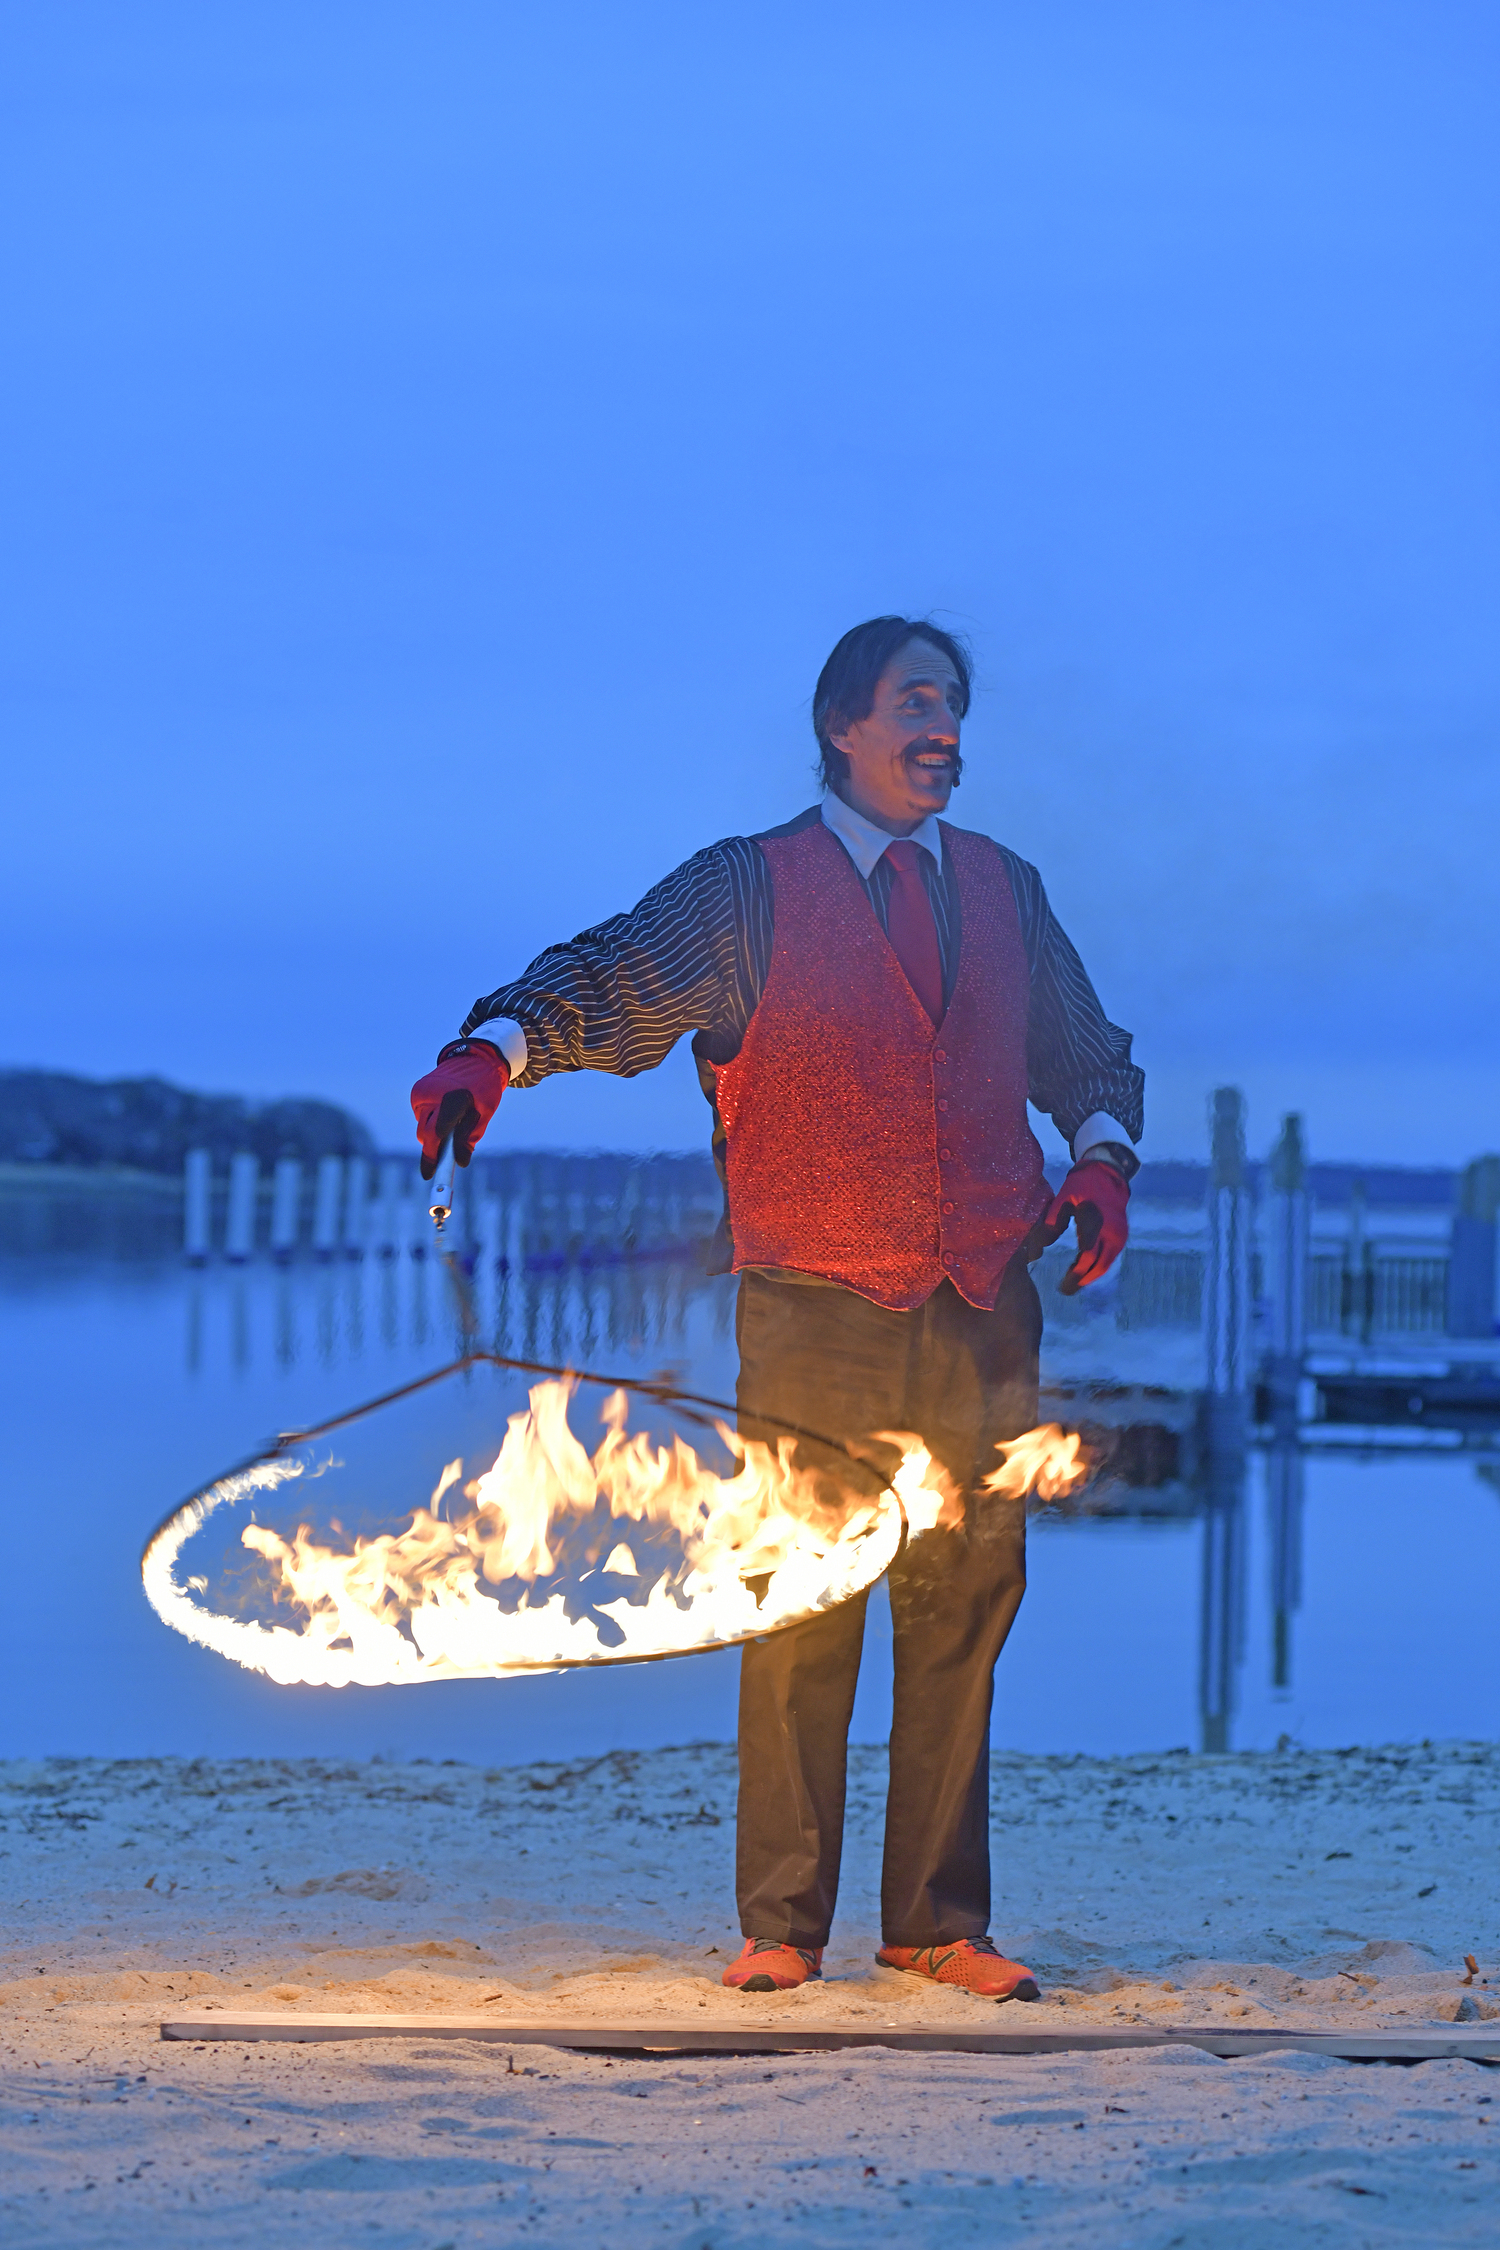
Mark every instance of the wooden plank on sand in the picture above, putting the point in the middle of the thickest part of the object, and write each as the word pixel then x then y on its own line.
pixel 1473 2042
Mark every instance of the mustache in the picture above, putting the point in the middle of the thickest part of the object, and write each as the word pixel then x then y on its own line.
pixel 924 745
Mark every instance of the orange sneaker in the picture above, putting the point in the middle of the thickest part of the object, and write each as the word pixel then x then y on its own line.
pixel 766 1965
pixel 971 1963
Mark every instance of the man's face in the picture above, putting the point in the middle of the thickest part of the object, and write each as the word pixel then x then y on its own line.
pixel 903 759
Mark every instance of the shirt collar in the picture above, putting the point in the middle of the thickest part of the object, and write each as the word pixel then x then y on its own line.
pixel 865 843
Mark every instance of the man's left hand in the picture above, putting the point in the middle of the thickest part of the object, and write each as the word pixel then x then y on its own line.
pixel 1093 1197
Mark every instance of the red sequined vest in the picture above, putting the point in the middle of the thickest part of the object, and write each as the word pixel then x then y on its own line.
pixel 862 1145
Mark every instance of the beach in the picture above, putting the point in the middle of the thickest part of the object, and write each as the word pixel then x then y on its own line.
pixel 1293 1889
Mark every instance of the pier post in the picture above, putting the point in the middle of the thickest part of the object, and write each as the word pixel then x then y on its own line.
pixel 356 1206
pixel 1225 1417
pixel 286 1208
pixel 326 1206
pixel 197 1206
pixel 389 1228
pixel 1226 1278
pixel 239 1227
pixel 1287 1239
pixel 1474 1253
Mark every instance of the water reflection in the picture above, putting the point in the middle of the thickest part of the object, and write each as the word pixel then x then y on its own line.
pixel 667 1311
pixel 1221 1612
pixel 324 1314
pixel 1259 1592
pixel 1286 1487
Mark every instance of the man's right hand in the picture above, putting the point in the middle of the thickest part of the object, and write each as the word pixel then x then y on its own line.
pixel 457 1098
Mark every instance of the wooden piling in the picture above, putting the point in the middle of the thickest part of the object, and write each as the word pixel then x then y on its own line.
pixel 197 1206
pixel 239 1228
pixel 389 1213
pixel 1226 1291
pixel 326 1201
pixel 1228 1373
pixel 1287 1242
pixel 356 1206
pixel 286 1209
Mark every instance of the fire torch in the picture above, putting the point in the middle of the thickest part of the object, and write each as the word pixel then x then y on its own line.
pixel 440 1211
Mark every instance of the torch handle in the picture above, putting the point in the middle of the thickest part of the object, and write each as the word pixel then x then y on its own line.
pixel 440 1209
pixel 440 1188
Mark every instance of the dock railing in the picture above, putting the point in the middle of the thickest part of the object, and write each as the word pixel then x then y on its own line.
pixel 1260 1269
pixel 538 1209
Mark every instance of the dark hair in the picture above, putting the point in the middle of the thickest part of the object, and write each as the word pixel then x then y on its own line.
pixel 846 685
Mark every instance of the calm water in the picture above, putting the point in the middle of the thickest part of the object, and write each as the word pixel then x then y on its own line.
pixel 129 1384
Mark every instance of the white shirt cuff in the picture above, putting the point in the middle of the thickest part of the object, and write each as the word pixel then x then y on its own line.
pixel 1095 1129
pixel 508 1036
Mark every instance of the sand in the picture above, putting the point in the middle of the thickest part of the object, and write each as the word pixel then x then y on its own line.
pixel 1278 1890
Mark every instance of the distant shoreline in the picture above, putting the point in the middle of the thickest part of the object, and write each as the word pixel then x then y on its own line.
pixel 87 1179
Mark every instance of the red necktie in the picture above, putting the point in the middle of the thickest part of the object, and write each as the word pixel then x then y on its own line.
pixel 912 930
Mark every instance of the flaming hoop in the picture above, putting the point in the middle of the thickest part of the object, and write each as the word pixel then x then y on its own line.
pixel 552 1558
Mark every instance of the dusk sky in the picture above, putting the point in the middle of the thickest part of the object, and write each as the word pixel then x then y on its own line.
pixel 443 444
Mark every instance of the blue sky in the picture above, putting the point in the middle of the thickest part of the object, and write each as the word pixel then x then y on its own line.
pixel 444 443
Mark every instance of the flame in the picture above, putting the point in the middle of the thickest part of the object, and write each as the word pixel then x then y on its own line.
pixel 1049 1462
pixel 761 1548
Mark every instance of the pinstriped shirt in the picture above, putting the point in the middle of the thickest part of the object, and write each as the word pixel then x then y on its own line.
pixel 694 955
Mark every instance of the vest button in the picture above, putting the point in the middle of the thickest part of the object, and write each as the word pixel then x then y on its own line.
pixel 945 1155
pixel 947 1207
pixel 942 1105
pixel 947 1257
pixel 939 1056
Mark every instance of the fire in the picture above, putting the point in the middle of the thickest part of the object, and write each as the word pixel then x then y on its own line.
pixel 1049 1462
pixel 744 1554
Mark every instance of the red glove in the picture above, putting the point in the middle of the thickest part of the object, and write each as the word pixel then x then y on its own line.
pixel 1093 1196
pixel 458 1097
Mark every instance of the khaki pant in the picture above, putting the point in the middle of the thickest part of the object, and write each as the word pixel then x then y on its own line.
pixel 832 1362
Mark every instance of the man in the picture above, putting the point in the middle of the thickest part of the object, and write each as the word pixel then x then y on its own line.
pixel 873 994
